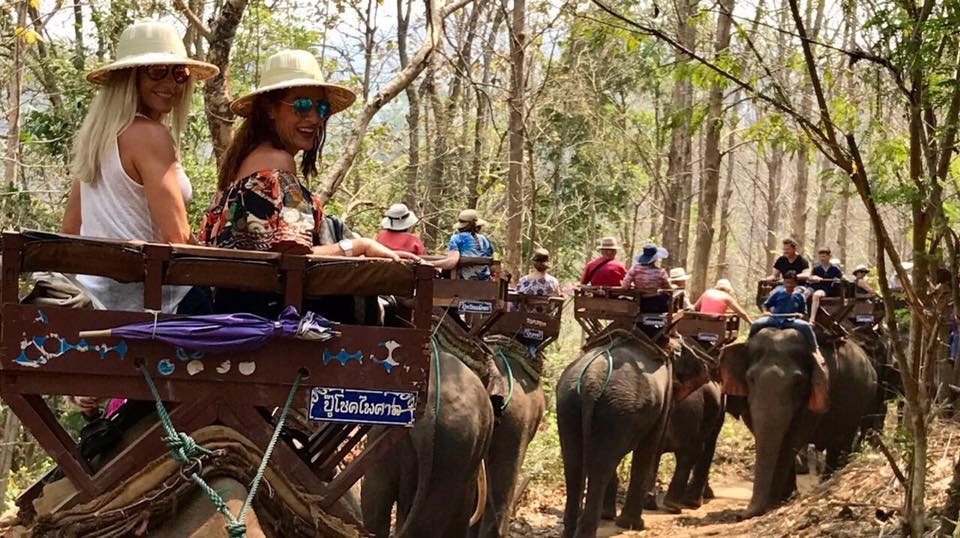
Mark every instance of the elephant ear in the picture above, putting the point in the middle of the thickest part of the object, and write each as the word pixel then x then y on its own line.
pixel 734 361
pixel 690 373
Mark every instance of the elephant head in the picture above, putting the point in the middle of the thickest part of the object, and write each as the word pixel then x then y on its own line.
pixel 773 370
pixel 690 372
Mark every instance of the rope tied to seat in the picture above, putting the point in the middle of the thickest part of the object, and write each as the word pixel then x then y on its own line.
pixel 184 450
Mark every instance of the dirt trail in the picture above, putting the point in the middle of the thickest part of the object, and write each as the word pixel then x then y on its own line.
pixel 542 514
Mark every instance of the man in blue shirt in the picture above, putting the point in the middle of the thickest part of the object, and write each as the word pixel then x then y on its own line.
pixel 783 301
pixel 468 242
pixel 824 280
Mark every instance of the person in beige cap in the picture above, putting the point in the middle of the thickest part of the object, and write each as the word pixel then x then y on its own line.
pixel 604 270
pixel 719 300
pixel 678 278
pixel 262 203
pixel 127 180
pixel 468 242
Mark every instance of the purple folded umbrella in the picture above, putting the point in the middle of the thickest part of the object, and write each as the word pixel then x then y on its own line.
pixel 220 333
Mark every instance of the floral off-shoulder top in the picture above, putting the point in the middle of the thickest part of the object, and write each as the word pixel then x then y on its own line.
pixel 269 210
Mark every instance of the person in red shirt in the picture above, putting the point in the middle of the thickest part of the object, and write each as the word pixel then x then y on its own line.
pixel 605 270
pixel 395 230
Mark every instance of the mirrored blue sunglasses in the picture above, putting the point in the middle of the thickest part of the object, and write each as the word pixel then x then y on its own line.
pixel 303 105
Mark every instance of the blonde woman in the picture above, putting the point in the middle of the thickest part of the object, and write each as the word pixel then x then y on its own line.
pixel 128 183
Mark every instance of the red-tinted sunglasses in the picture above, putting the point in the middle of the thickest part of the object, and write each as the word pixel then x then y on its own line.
pixel 181 73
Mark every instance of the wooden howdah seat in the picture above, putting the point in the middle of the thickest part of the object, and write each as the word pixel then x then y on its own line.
pixel 841 310
pixel 530 317
pixel 480 303
pixel 41 353
pixel 711 331
pixel 598 308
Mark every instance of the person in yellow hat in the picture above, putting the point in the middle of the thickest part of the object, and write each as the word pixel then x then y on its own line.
pixel 262 203
pixel 127 180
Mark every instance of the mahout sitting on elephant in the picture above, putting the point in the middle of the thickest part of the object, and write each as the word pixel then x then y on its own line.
pixel 615 398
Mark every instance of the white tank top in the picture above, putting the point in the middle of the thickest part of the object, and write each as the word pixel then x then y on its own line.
pixel 115 207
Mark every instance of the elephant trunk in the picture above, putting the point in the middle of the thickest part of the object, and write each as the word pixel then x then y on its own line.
pixel 770 427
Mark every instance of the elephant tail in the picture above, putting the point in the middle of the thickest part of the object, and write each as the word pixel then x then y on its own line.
pixel 481 494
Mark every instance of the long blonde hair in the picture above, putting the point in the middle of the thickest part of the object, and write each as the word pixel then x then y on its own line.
pixel 112 110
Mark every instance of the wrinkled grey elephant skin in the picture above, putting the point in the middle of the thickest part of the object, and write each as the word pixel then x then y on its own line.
pixel 431 474
pixel 511 436
pixel 692 434
pixel 601 424
pixel 774 366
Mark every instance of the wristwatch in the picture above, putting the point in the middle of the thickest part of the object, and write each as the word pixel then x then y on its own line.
pixel 346 246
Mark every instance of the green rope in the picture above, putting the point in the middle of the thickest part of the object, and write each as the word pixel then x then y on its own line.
pixel 506 364
pixel 183 448
pixel 604 351
pixel 436 363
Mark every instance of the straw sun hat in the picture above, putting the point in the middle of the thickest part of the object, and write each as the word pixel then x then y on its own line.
pixel 151 43
pixel 468 217
pixel 293 69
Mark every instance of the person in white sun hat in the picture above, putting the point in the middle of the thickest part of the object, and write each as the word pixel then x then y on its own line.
pixel 395 228
pixel 127 180
pixel 261 202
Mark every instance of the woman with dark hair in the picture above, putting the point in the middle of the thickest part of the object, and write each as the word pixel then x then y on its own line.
pixel 538 282
pixel 261 203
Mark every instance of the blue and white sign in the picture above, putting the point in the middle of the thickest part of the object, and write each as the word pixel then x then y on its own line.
pixel 653 321
pixel 391 408
pixel 708 337
pixel 532 334
pixel 865 318
pixel 475 307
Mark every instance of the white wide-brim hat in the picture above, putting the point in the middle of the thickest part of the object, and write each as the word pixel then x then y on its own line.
pixel 678 274
pixel 398 218
pixel 293 69
pixel 151 43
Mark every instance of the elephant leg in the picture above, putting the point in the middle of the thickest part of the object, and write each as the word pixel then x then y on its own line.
pixel 686 459
pixel 650 499
pixel 379 491
pixel 610 499
pixel 699 485
pixel 642 473
pixel 602 469
pixel 571 450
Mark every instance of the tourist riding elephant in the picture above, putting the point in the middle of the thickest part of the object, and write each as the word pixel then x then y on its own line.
pixel 514 430
pixel 773 369
pixel 431 474
pixel 692 434
pixel 613 399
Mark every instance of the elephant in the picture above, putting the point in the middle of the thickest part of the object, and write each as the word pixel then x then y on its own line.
pixel 608 408
pixel 694 426
pixel 431 474
pixel 512 434
pixel 875 341
pixel 773 369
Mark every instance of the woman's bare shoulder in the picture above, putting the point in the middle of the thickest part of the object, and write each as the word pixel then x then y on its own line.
pixel 145 136
pixel 265 157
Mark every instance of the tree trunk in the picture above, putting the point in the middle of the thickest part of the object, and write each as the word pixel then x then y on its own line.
pixel 483 108
pixel 842 226
pixel 798 228
pixel 411 196
pixel 774 182
pixel 723 269
pixel 825 202
pixel 518 42
pixel 710 185
pixel 11 155
pixel 678 156
pixel 43 66
pixel 216 91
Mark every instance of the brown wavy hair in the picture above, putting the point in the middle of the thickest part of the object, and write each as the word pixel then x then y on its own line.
pixel 258 128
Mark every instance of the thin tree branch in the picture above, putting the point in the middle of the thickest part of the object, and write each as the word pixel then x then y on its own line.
pixel 194 19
